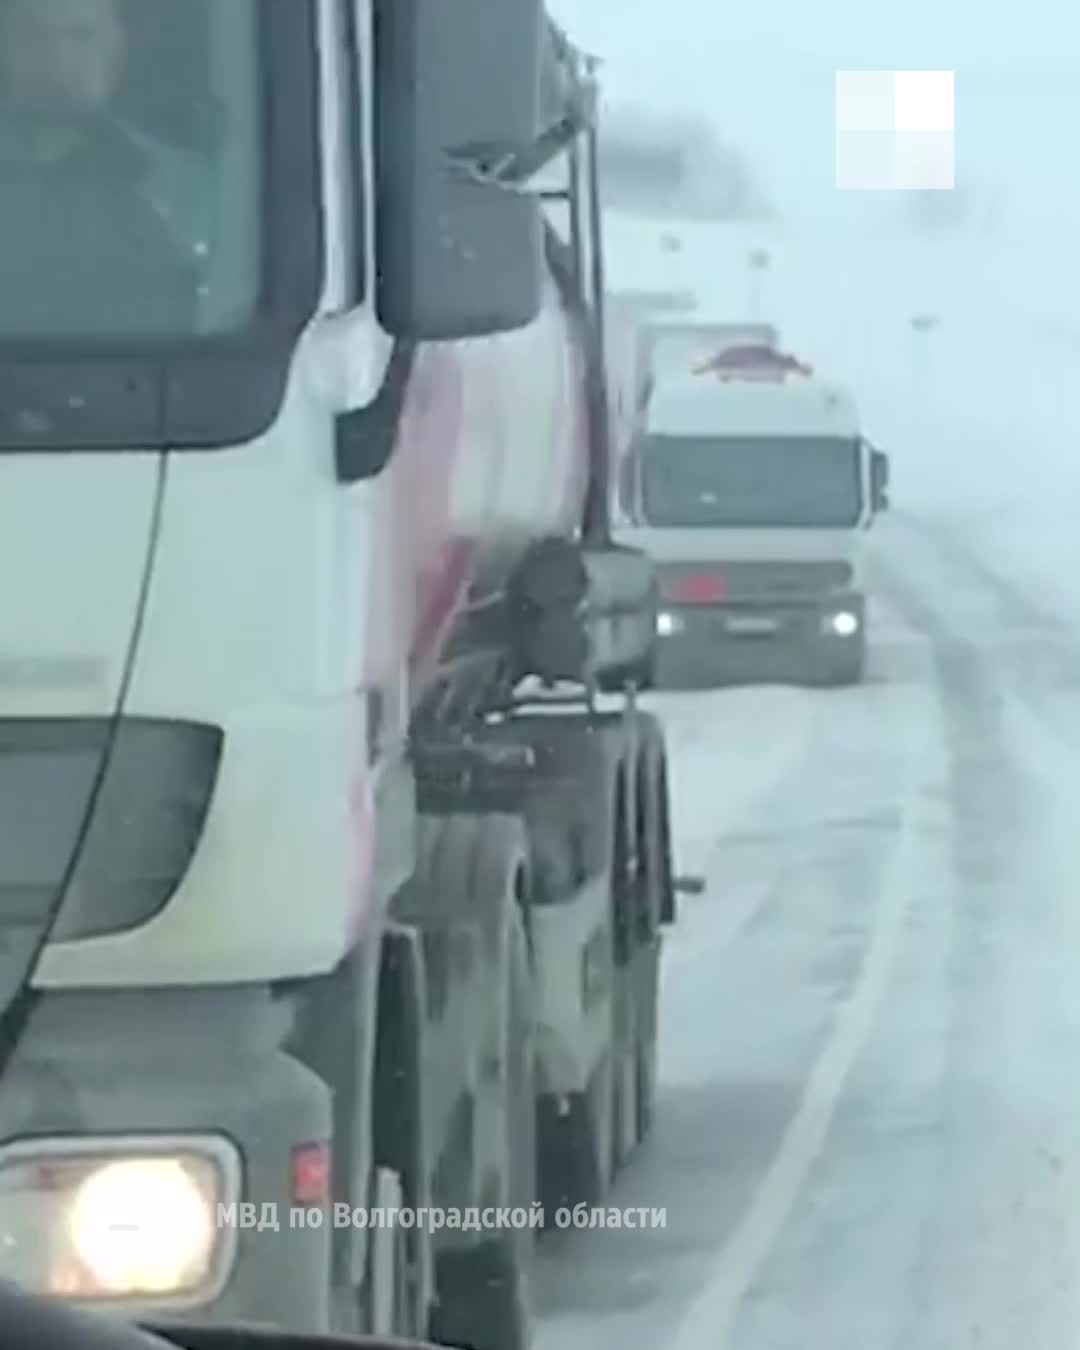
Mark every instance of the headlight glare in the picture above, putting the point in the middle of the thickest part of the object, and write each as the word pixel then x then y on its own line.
pixel 843 623
pixel 117 1224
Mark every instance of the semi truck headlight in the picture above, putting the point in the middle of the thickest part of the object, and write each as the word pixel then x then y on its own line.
pixel 668 623
pixel 843 623
pixel 120 1224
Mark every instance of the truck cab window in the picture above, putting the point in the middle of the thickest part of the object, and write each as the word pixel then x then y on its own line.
pixel 129 168
pixel 752 482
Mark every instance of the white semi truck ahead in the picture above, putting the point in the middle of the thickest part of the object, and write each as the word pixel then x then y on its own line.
pixel 303 909
pixel 752 485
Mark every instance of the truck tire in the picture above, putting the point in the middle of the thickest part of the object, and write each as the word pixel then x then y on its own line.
pixel 653 905
pixel 399 1259
pixel 654 897
pixel 635 1093
pixel 645 1101
pixel 657 891
pixel 578 1144
pixel 652 824
pixel 625 877
pixel 664 848
pixel 484 1291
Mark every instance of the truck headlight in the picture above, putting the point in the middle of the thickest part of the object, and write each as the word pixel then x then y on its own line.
pixel 667 623
pixel 843 623
pixel 115 1221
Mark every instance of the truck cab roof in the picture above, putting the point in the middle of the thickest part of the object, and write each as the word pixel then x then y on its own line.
pixel 703 405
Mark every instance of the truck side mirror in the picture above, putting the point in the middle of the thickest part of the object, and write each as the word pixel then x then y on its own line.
pixel 879 480
pixel 458 86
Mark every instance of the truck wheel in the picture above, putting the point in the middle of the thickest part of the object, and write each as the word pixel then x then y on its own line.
pixel 654 890
pixel 399 1259
pixel 656 885
pixel 628 898
pixel 578 1144
pixel 626 1059
pixel 645 1078
pixel 484 1296
pixel 664 855
pixel 635 1090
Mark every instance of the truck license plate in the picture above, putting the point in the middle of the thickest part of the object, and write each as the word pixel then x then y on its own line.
pixel 752 625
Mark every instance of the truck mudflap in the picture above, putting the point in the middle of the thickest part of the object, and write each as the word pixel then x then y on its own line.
pixel 162 1141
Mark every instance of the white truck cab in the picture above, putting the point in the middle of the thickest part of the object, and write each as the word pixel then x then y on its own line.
pixel 753 487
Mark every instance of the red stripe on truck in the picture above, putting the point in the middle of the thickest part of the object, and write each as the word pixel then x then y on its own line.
pixel 414 547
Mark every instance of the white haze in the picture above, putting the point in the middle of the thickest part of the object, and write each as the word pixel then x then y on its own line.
pixel 764 75
pixel 978 415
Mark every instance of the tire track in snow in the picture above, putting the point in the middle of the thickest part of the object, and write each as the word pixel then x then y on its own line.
pixel 1037 651
pixel 940 1213
pixel 998 1245
pixel 712 1317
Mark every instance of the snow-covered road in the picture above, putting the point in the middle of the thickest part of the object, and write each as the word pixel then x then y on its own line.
pixel 868 1132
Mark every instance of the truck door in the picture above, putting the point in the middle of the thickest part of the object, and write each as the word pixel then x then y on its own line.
pixel 97 276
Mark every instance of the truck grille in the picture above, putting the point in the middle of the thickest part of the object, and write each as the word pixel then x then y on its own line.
pixel 749 582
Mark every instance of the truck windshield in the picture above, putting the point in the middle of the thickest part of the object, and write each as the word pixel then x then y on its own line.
pixel 130 153
pixel 752 481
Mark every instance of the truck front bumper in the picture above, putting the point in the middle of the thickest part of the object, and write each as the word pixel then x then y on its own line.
pixel 820 640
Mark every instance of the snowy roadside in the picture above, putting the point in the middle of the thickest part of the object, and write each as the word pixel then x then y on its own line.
pixel 727 747
pixel 987 448
pixel 978 419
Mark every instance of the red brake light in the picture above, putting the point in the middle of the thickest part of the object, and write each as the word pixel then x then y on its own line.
pixel 310 1179
pixel 697 588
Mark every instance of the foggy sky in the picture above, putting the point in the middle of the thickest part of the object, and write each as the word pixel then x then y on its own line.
pixel 771 88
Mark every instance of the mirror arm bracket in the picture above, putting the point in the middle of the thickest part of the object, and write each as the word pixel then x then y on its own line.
pixel 510 167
